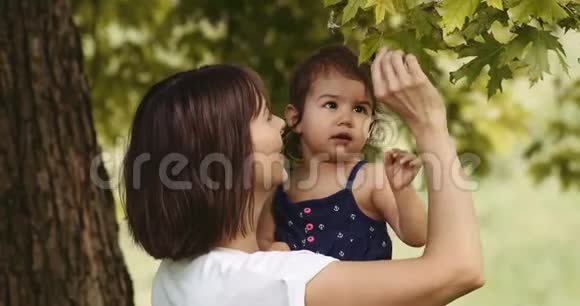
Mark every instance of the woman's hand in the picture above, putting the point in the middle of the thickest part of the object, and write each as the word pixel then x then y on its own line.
pixel 400 83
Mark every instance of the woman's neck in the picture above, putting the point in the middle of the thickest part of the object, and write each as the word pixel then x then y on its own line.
pixel 249 242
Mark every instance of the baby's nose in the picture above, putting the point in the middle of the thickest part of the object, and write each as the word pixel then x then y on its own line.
pixel 345 119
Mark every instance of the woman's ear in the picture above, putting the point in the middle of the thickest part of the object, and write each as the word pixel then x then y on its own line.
pixel 292 116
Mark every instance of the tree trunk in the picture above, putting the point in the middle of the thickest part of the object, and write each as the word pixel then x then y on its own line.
pixel 58 232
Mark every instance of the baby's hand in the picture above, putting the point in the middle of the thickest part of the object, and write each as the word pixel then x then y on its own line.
pixel 279 246
pixel 401 168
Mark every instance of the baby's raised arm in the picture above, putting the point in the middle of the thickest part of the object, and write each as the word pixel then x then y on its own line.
pixel 451 264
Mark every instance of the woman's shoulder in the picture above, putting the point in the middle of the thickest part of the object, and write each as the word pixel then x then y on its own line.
pixel 286 264
pixel 228 270
pixel 280 264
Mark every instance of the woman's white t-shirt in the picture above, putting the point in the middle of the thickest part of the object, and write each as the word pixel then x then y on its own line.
pixel 225 277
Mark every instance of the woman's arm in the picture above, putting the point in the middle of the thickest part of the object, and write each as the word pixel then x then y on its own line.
pixel 451 264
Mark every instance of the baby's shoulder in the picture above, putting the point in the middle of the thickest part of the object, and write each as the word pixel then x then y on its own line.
pixel 370 177
pixel 369 180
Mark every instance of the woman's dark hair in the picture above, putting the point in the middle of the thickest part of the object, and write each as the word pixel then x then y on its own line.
pixel 174 207
pixel 331 59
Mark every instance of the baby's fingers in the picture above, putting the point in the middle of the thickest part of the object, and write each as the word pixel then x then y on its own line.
pixel 397 153
pixel 416 163
pixel 389 158
pixel 405 158
pixel 402 156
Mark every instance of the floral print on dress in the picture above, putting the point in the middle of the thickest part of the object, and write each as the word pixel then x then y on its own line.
pixel 338 227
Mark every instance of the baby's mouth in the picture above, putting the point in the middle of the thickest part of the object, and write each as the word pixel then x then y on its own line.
pixel 342 138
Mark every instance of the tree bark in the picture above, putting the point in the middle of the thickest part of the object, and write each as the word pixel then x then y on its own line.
pixel 58 232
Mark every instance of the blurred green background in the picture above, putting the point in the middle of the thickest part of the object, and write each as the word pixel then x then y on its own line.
pixel 527 139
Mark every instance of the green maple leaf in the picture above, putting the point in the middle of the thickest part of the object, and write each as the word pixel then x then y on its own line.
pixel 483 52
pixel 531 46
pixel 547 10
pixel 573 19
pixel 470 71
pixel 498 4
pixel 407 42
pixel 514 50
pixel 369 46
pixel 566 2
pixel 483 21
pixel 487 53
pixel 537 55
pixel 351 9
pixel 497 74
pixel 328 3
pixel 425 23
pixel 381 7
pixel 455 12
pixel 403 5
pixel 569 23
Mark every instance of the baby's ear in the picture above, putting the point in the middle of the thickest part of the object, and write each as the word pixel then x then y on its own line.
pixel 292 116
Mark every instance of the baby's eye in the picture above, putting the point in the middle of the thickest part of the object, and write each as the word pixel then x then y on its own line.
pixel 330 105
pixel 270 116
pixel 360 109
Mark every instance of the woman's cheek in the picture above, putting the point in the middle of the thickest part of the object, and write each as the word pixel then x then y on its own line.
pixel 285 176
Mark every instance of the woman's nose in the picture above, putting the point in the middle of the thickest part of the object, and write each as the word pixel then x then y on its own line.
pixel 281 123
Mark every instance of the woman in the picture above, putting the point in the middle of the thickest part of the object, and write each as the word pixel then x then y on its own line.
pixel 204 157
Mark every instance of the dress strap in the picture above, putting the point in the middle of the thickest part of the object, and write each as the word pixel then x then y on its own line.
pixel 353 173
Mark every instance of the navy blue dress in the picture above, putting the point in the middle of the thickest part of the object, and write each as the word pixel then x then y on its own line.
pixel 334 226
